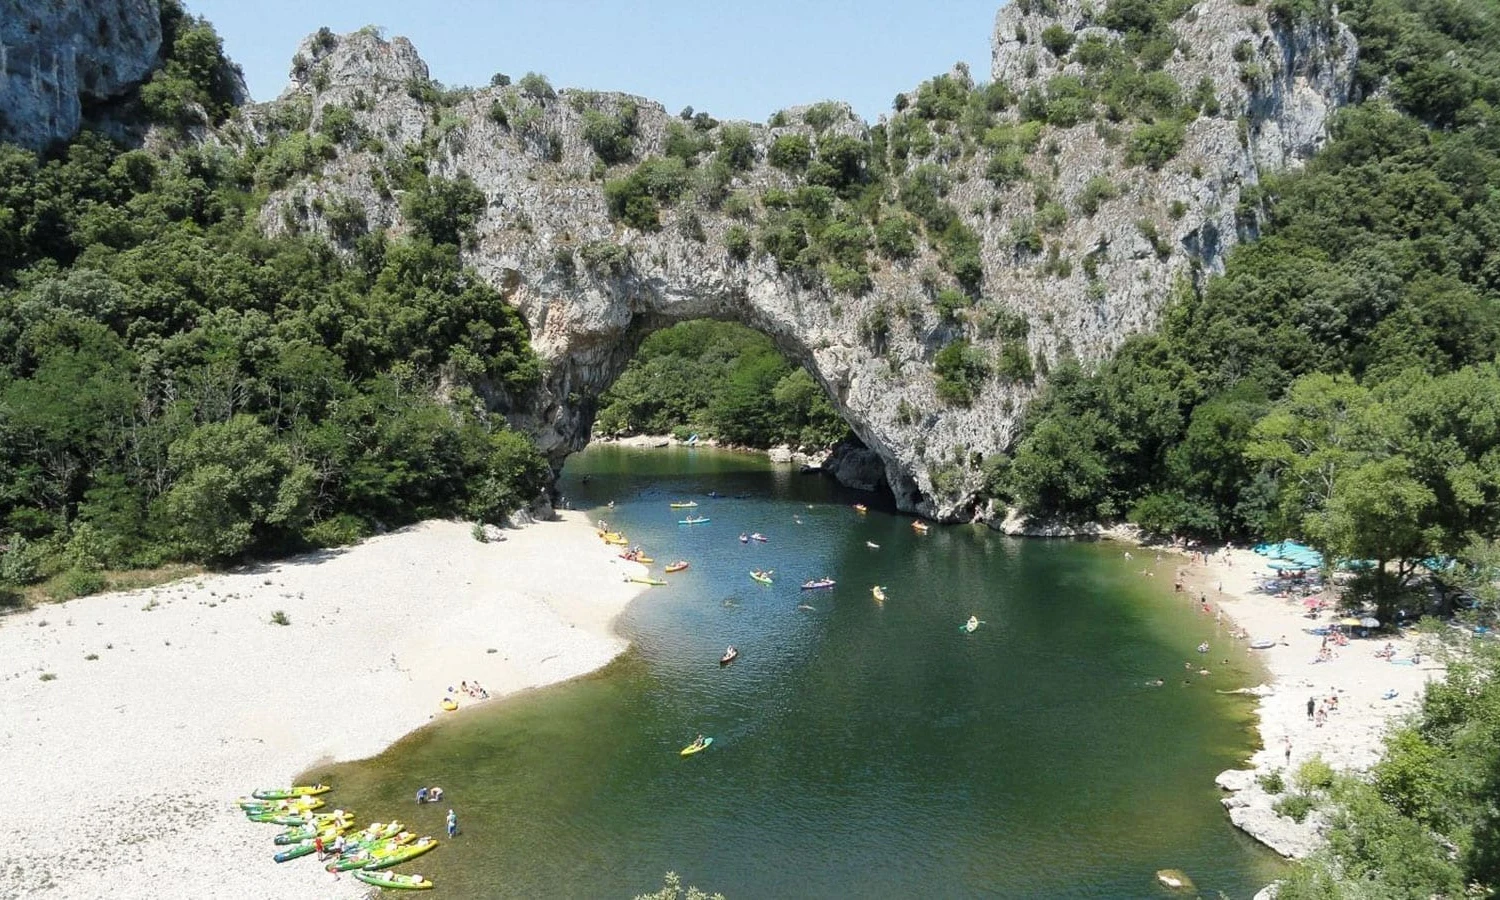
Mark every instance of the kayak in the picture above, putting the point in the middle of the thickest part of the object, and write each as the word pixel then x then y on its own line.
pixel 691 504
pixel 695 747
pixel 757 536
pixel 677 566
pixel 969 626
pixel 302 790
pixel 448 704
pixel 744 539
pixel 861 508
pixel 362 856
pixel 307 832
pixel 401 854
pixel 872 545
pixel 820 585
pixel 296 851
pixel 297 804
pixel 878 592
pixel 692 521
pixel 640 579
pixel 919 527
pixel 614 537
pixel 729 657
pixel 762 577
pixel 394 880
pixel 643 560
pixel 1263 644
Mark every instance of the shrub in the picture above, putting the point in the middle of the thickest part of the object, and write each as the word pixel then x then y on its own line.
pixel 1272 782
pixel 1015 362
pixel 1314 774
pixel 479 534
pixel 612 136
pixel 1294 806
pixel 821 115
pixel 738 242
pixel 279 617
pixel 950 303
pixel 1096 191
pixel 48 676
pixel 1057 39
pixel 895 238
pixel 791 152
pixel 605 257
pixel 77 583
pixel 1155 144
pixel 736 148
pixel 961 370
pixel 337 531
pixel 537 87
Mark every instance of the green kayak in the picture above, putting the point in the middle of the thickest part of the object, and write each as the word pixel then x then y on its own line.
pixel 302 790
pixel 394 881
pixel 295 851
pixel 364 856
pixel 402 854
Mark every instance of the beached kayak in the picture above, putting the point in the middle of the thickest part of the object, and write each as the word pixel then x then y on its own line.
pixel 365 857
pixel 296 804
pixel 677 566
pixel 301 790
pixel 296 851
pixel 448 704
pixel 692 748
pixel 644 560
pixel 394 880
pixel 638 579
pixel 402 854
pixel 308 832
pixel 762 577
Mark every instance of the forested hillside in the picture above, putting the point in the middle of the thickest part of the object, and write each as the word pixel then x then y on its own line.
pixel 1338 381
pixel 174 386
pixel 720 380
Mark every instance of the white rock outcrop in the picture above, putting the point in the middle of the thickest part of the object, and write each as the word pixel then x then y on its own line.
pixel 592 289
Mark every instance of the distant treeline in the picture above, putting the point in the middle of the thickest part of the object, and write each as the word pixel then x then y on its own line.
pixel 721 380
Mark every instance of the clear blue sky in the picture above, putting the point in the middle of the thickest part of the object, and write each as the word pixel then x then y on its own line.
pixel 736 60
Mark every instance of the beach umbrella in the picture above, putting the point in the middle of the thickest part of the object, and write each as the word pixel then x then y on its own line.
pixel 1369 622
pixel 1350 621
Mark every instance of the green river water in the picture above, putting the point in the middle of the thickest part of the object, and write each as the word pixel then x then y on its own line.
pixel 861 749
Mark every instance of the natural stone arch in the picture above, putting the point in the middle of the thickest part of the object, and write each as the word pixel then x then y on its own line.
pixel 587 311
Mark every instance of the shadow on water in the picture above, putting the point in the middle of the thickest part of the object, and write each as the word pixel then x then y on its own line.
pixel 861 749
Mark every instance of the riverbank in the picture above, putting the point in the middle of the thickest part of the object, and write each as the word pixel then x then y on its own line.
pixel 1349 739
pixel 781 453
pixel 136 718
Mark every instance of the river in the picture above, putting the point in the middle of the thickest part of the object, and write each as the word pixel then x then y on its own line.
pixel 861 749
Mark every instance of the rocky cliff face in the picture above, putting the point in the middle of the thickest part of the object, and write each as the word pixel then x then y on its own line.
pixel 58 56
pixel 592 288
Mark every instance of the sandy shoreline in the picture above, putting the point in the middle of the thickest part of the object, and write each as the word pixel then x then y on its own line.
pixel 195 697
pixel 1350 739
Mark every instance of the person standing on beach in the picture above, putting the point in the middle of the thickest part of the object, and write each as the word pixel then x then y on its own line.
pixel 1289 750
pixel 452 823
pixel 1312 704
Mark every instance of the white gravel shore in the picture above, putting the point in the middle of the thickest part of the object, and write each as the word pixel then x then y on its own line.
pixel 120 771
pixel 1350 739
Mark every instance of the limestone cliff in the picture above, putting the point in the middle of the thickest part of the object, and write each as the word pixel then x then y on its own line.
pixel 1077 234
pixel 57 57
pixel 1106 271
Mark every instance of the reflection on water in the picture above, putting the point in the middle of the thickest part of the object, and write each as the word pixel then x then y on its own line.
pixel 861 748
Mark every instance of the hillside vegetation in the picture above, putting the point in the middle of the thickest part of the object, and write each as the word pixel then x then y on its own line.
pixel 174 386
pixel 1337 382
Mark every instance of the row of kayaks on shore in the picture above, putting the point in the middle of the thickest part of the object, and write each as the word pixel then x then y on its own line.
pixel 369 852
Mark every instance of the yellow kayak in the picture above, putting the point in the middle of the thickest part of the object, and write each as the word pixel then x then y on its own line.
pixel 696 747
pixel 448 704
pixel 677 566
pixel 637 579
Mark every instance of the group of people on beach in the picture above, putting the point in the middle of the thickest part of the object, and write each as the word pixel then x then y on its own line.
pixel 1318 711
pixel 474 690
